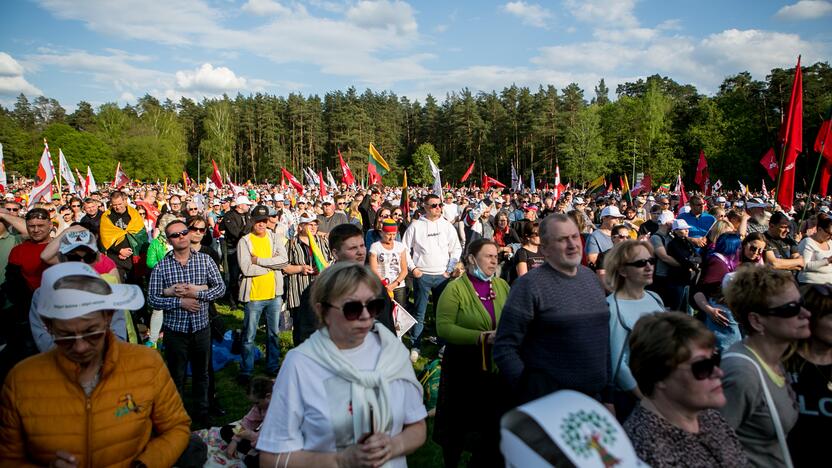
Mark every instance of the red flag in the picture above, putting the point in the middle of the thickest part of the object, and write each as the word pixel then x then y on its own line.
pixel 121 178
pixel 825 175
pixel 216 177
pixel 373 177
pixel 769 163
pixel 297 185
pixel 823 145
pixel 467 173
pixel 644 185
pixel 347 176
pixel 323 185
pixel 702 175
pixel 791 135
pixel 488 182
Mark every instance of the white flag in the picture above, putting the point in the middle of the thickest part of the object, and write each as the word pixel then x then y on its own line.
pixel 46 175
pixel 330 180
pixel 717 185
pixel 3 181
pixel 66 172
pixel 91 186
pixel 515 179
pixel 437 180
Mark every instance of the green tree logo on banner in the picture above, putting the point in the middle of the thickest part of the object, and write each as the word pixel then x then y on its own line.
pixel 586 432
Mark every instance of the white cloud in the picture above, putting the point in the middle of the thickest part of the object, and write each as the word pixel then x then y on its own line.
pixel 753 50
pixel 606 12
pixel 12 81
pixel 383 14
pixel 625 35
pixel 127 97
pixel 805 10
pixel 209 79
pixel 265 8
pixel 530 13
pixel 670 25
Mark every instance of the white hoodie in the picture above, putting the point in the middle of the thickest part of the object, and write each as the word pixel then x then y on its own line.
pixel 432 244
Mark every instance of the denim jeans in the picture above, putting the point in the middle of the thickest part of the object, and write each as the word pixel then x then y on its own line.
pixel 181 348
pixel 253 309
pixel 423 287
pixel 726 335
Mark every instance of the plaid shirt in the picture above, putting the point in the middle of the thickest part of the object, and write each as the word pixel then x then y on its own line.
pixel 200 270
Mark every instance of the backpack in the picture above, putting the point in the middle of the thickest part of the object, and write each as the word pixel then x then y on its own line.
pixel 429 378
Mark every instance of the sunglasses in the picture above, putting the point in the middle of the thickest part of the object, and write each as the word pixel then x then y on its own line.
pixel 341 203
pixel 69 341
pixel 642 263
pixel 621 236
pixel 14 210
pixel 76 206
pixel 705 368
pixel 196 229
pixel 435 205
pixel 88 259
pixel 789 310
pixel 177 235
pixel 352 310
pixel 193 209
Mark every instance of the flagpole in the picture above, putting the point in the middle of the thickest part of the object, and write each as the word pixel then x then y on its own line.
pixel 785 138
pixel 817 168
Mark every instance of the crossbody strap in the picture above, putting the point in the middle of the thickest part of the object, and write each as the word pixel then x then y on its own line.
pixel 775 416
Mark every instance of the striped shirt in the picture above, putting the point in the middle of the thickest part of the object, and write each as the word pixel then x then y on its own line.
pixel 200 270
pixel 300 254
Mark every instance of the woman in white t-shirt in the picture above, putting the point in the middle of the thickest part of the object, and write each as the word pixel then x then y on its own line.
pixel 388 259
pixel 817 254
pixel 348 395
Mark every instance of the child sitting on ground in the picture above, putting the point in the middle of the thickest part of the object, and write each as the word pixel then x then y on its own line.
pixel 242 438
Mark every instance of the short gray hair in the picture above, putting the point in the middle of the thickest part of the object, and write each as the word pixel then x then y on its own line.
pixel 545 225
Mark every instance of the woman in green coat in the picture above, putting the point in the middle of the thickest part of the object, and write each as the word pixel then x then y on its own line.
pixel 471 394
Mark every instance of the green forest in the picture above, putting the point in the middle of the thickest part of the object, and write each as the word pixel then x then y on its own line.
pixel 654 126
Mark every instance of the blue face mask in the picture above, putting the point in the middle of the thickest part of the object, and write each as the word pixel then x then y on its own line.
pixel 478 273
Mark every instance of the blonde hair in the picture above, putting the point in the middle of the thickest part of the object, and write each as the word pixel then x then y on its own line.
pixel 339 280
pixel 719 228
pixel 615 259
pixel 750 289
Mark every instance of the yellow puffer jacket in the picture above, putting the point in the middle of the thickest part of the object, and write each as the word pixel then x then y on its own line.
pixel 135 412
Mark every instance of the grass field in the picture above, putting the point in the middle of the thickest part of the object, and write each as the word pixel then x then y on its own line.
pixel 233 397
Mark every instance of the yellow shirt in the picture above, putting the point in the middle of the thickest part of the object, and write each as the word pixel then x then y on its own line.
pixel 262 287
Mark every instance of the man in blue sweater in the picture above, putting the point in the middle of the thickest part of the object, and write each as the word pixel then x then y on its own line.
pixel 554 329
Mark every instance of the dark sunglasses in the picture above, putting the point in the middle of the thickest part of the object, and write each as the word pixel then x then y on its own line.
pixel 352 310
pixel 642 263
pixel 789 310
pixel 177 235
pixel 76 206
pixel 196 229
pixel 193 209
pixel 435 205
pixel 705 368
pixel 88 259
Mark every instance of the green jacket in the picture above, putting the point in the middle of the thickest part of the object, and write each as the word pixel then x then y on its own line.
pixel 156 251
pixel 460 315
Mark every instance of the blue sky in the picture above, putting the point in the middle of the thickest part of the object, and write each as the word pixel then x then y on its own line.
pixel 111 50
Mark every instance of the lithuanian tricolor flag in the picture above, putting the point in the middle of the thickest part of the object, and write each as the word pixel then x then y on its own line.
pixel 376 160
pixel 317 255
pixel 597 185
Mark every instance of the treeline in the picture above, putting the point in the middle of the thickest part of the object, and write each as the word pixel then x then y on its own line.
pixel 655 126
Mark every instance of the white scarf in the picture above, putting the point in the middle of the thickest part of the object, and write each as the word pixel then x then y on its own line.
pixel 368 388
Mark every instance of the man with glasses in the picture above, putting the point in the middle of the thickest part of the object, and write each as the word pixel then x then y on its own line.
pixel 182 285
pixel 330 217
pixel 435 249
pixel 135 418
pixel 699 220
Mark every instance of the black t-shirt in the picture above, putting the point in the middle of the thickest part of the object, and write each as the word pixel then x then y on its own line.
pixel 648 227
pixel 811 383
pixel 532 259
pixel 781 248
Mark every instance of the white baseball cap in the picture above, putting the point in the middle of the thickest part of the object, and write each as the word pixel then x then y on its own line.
pixel 243 200
pixel 76 239
pixel 62 294
pixel 679 224
pixel 665 217
pixel 611 211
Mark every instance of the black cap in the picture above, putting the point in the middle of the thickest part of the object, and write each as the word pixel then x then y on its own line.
pixel 260 213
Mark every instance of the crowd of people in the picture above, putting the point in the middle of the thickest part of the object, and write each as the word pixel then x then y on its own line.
pixel 700 324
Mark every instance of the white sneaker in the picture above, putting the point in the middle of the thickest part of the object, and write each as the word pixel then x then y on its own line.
pixel 414 355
